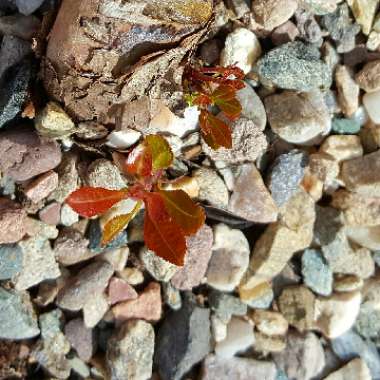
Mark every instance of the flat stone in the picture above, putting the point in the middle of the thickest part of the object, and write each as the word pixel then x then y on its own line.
pixel 183 340
pixel 215 367
pixel 371 101
pixel 12 221
pixel 356 369
pixel 81 338
pixel 298 118
pixel 91 280
pixel 270 323
pixel 239 338
pixel 303 358
pixel 229 260
pixel 10 261
pixel 263 300
pixel 316 273
pixel 251 199
pixel 325 168
pixel 17 316
pixel 294 66
pixel 24 155
pixel 196 260
pixel 130 351
pixel 242 48
pixel 147 306
pixel 286 175
pixel 368 78
pixel 103 173
pixel 42 186
pixel 119 290
pixel 348 90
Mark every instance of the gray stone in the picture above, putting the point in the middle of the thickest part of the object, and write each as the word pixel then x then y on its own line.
pixel 308 27
pixel 286 175
pixel 81 338
pixel 130 351
pixel 25 27
pixel 27 7
pixel 294 66
pixel 262 302
pixel 17 317
pixel 317 274
pixel 350 345
pixel 341 29
pixel 183 340
pixel 10 261
pixel 327 224
pixel 225 305
pixel 320 7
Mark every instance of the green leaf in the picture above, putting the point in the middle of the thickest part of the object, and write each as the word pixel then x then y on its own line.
pixel 162 155
pixel 225 98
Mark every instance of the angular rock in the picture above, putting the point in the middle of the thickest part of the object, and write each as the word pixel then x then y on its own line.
pixel 348 90
pixel 196 260
pixel 103 173
pixel 287 32
pixel 229 260
pixel 294 66
pixel 42 186
pixel 308 27
pixel 81 338
pixel 355 369
pixel 10 261
pixel 24 155
pixel 298 118
pixel 119 290
pixel 183 340
pixel 17 317
pixel 251 199
pixel 95 309
pixel 342 147
pixel 368 78
pixel 147 306
pixel 364 12
pixel 130 351
pixel 12 221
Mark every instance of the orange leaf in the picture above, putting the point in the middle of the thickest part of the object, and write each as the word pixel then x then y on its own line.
pixel 161 233
pixel 215 132
pixel 118 224
pixel 139 161
pixel 91 201
pixel 225 98
pixel 188 215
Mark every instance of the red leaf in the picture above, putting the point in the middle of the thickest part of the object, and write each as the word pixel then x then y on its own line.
pixel 91 201
pixel 215 132
pixel 140 161
pixel 225 98
pixel 161 233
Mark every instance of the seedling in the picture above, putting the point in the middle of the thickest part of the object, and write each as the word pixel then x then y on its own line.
pixel 170 216
pixel 215 86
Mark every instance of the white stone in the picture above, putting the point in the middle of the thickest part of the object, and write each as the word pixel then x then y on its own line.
pixel 242 48
pixel 239 338
pixel 371 102
pixel 68 215
pixel 94 310
pixel 123 139
pixel 336 314
pixel 368 237
pixel 356 369
pixel 218 328
pixel 229 260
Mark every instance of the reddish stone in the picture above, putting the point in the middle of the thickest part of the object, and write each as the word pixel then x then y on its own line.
pixel 42 186
pixel 13 221
pixel 51 214
pixel 119 290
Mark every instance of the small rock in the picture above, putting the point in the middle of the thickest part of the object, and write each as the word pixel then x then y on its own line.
pixel 287 32
pixel 345 126
pixel 81 338
pixel 298 118
pixel 91 280
pixel 294 66
pixel 248 143
pixel 42 186
pixel 364 12
pixel 95 309
pixel 303 358
pixel 183 340
pixel 116 257
pixel 172 296
pixel 12 221
pixel 371 102
pixel 242 48
pixel 215 367
pixel 218 328
pixel 91 130
pixel 341 28
pixel 263 301
pixel 239 338
pixel 362 174
pixel 103 173
pixel 225 306
pixel 270 322
pixel 159 269
pixel 229 260
pixel 308 27
pixel 54 122
pixel 356 369
pixel 325 168
pixel 24 155
pixel 25 27
pixel 297 305
pixel 79 367
pixel 123 139
pixel 196 260
pixel 320 7
pixel 269 344
pixel 119 290
pixel 17 317
pixel 211 187
pixel 272 13
pixel 373 41
pixel 286 175
pixel 68 215
pixel 130 351
pixel 316 273
pixel 27 7
pixel 147 306
pixel 133 276
pixel 336 314
pixel 10 261
pixel 251 199
pixel 369 77
pixel 347 283
pixel 342 147
pixel 348 90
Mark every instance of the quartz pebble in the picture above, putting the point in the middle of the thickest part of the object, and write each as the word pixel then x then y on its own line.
pixel 371 102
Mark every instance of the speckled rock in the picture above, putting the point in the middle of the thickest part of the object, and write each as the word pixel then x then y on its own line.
pixel 10 260
pixel 12 221
pixel 348 90
pixel 81 338
pixel 103 173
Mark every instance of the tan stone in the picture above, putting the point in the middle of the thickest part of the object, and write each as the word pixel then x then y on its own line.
pixel 356 369
pixel 368 78
pixel 270 322
pixel 364 12
pixel 342 147
pixel 347 283
pixel 324 166
pixel 348 90
pixel 266 344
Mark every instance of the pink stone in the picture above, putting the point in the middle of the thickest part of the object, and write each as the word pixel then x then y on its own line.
pixel 119 290
pixel 196 261
pixel 147 306
pixel 51 214
pixel 42 186
pixel 13 221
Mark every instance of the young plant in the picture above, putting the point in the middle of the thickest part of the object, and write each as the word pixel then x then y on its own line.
pixel 170 216
pixel 215 86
